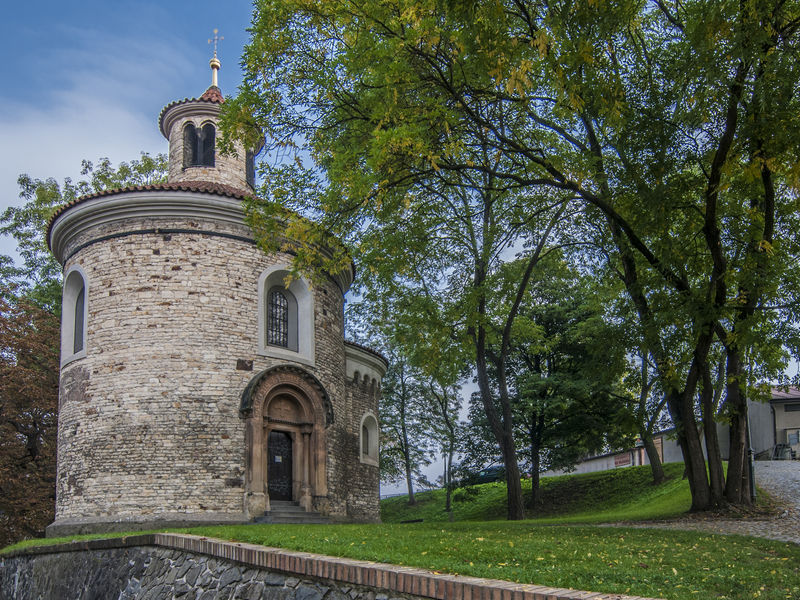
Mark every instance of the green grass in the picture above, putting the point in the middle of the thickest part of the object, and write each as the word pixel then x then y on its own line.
pixel 668 564
pixel 655 563
pixel 618 495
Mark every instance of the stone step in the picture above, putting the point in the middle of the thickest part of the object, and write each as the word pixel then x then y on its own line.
pixel 285 512
pixel 296 519
pixel 285 507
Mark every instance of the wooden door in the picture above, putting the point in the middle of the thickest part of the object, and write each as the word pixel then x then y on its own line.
pixel 279 469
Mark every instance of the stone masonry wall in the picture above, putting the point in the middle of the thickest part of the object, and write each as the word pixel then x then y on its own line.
pixel 360 485
pixel 148 420
pixel 156 573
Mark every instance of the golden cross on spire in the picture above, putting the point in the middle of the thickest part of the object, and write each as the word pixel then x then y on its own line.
pixel 216 39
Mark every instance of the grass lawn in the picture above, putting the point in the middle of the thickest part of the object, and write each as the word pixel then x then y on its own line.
pixel 618 495
pixel 641 562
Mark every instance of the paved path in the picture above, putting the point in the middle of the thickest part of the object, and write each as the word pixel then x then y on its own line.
pixel 782 480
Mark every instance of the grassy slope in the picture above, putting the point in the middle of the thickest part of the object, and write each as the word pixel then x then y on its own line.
pixel 656 563
pixel 618 495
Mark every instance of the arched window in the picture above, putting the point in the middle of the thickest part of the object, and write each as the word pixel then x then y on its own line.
pixel 198 145
pixel 189 145
pixel 74 312
pixel 281 318
pixel 369 439
pixel 78 330
pixel 205 147
pixel 285 316
pixel 278 319
pixel 250 168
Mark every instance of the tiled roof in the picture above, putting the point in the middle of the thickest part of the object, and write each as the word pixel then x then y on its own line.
pixel 184 186
pixel 367 349
pixel 213 94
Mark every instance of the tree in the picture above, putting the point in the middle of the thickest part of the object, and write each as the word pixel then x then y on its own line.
pixel 568 360
pixel 672 125
pixel 28 414
pixel 30 305
pixel 405 426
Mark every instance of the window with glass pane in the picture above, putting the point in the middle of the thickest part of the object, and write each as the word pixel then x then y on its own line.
pixel 278 319
pixel 77 337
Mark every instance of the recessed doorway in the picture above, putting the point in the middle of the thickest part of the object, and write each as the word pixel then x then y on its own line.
pixel 279 469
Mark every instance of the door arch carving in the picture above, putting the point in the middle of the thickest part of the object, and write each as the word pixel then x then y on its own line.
pixel 290 401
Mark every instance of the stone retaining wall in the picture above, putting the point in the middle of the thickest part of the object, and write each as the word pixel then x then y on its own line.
pixel 156 566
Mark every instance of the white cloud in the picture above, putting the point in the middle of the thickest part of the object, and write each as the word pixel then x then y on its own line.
pixel 104 102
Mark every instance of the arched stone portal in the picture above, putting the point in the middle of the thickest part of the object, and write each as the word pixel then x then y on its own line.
pixel 290 404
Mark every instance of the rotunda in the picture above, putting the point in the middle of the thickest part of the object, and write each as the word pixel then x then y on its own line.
pixel 196 386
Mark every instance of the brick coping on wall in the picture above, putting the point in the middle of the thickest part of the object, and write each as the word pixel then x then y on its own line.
pixel 393 578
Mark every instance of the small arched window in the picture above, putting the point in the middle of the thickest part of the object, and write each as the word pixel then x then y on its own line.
pixel 198 145
pixel 189 145
pixel 206 145
pixel 74 312
pixel 250 168
pixel 369 439
pixel 77 334
pixel 281 318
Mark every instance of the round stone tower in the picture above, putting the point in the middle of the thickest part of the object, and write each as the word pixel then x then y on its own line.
pixel 197 387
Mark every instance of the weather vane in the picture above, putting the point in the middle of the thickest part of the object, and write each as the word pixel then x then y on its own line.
pixel 216 39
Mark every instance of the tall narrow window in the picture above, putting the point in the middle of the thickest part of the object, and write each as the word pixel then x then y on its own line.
pixel 189 145
pixel 74 312
pixel 77 337
pixel 364 440
pixel 206 145
pixel 369 439
pixel 250 164
pixel 278 319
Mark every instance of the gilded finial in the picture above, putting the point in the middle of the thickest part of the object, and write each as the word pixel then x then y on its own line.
pixel 214 62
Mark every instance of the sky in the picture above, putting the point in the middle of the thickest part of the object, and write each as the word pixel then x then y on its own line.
pixel 88 79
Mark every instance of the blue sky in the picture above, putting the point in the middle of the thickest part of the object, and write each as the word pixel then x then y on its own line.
pixel 88 79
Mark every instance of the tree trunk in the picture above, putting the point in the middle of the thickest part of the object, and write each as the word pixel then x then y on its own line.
pixel 656 468
pixel 410 482
pixel 448 481
pixel 535 494
pixel 735 491
pixel 406 450
pixel 715 471
pixel 503 430
pixel 691 448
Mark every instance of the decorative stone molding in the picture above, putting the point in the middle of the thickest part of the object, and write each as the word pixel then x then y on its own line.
pixel 363 365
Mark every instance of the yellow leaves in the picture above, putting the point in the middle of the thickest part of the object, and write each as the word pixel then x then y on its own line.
pixel 541 42
pixel 518 80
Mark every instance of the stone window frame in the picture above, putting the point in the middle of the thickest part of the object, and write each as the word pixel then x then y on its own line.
pixel 369 424
pixel 74 280
pixel 301 325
